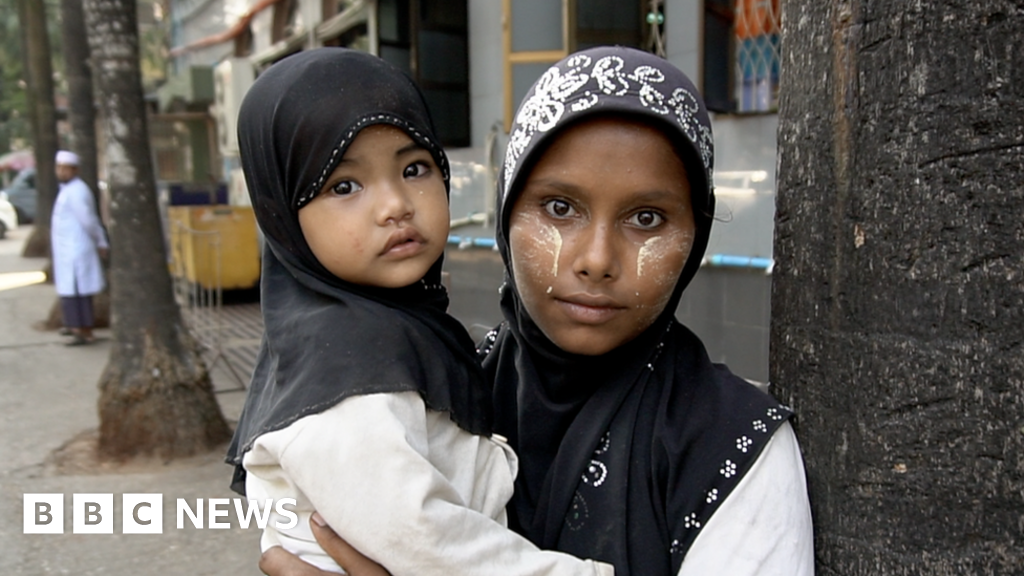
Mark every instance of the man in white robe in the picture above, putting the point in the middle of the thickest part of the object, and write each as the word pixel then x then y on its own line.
pixel 78 241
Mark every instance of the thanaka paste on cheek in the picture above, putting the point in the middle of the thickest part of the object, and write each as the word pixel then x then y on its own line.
pixel 554 239
pixel 659 248
pixel 644 253
pixel 547 241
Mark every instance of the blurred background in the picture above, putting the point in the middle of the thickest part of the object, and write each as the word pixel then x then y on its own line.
pixel 474 60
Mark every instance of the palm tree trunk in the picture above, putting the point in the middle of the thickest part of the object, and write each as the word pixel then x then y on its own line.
pixel 32 14
pixel 155 394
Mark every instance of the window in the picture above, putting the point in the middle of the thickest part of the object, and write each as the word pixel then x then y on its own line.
pixel 604 22
pixel 429 39
pixel 741 55
pixel 538 33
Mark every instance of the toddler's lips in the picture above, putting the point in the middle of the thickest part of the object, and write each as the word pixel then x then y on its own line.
pixel 403 242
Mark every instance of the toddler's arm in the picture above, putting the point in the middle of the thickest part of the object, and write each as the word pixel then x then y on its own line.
pixel 365 466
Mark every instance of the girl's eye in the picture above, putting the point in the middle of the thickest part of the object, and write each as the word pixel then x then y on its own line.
pixel 415 170
pixel 646 219
pixel 345 187
pixel 559 208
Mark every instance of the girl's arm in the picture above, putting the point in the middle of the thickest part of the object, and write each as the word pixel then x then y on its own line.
pixel 279 562
pixel 764 527
pixel 365 466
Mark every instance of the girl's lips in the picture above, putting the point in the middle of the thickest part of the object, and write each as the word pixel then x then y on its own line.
pixel 403 242
pixel 589 309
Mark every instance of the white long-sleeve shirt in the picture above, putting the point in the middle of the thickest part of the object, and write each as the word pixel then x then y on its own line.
pixel 764 527
pixel 75 236
pixel 412 491
pixel 402 484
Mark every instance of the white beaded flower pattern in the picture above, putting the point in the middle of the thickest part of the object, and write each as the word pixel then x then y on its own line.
pixel 743 444
pixel 558 88
pixel 728 469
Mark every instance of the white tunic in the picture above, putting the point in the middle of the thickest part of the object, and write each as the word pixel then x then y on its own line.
pixel 402 484
pixel 75 236
pixel 764 527
pixel 412 491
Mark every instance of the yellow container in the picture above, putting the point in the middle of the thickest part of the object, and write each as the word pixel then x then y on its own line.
pixel 214 246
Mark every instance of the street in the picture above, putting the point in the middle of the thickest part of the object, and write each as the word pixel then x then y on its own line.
pixel 48 417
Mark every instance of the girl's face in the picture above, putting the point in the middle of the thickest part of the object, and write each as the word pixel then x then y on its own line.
pixel 382 217
pixel 600 233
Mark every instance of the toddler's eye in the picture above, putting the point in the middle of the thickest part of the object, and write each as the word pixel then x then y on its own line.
pixel 646 219
pixel 345 187
pixel 559 208
pixel 415 170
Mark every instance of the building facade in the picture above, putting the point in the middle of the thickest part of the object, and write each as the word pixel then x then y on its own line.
pixel 474 61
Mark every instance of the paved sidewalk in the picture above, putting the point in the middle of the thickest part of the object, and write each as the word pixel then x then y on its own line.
pixel 48 398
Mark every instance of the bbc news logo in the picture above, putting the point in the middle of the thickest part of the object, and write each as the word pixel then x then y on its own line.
pixel 144 513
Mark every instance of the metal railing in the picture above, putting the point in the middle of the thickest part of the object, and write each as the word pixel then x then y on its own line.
pixel 196 265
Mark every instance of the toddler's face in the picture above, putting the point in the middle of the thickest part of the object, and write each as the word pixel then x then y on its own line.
pixel 382 217
pixel 600 233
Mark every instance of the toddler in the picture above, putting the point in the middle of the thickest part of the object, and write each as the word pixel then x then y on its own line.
pixel 367 403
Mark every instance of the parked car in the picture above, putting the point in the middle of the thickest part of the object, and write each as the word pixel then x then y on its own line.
pixel 8 216
pixel 22 194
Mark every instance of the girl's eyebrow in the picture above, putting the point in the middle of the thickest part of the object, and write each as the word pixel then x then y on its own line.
pixel 555 183
pixel 409 148
pixel 657 195
pixel 653 195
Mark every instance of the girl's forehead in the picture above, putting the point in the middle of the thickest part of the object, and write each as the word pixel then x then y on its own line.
pixel 609 146
pixel 614 131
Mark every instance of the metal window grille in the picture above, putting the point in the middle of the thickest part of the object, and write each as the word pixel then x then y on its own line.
pixel 756 30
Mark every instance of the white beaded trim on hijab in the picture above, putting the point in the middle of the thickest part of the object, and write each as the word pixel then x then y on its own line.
pixel 353 130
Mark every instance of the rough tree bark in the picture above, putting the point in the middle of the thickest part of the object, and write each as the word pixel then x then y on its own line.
pixel 898 297
pixel 155 393
pixel 82 116
pixel 43 114
pixel 81 107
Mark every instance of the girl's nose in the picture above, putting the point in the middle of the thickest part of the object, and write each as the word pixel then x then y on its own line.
pixel 394 204
pixel 596 255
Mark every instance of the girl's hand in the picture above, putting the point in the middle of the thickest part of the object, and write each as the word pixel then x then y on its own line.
pixel 278 562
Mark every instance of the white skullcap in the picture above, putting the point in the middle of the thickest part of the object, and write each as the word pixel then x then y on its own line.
pixel 67 158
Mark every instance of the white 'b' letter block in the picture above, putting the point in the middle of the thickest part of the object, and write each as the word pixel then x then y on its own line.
pixel 44 514
pixel 92 514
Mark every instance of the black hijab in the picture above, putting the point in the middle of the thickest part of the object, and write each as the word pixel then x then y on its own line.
pixel 326 339
pixel 624 456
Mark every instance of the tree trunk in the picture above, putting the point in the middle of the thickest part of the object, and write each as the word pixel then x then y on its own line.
pixel 82 116
pixel 39 73
pixel 898 294
pixel 155 393
pixel 81 107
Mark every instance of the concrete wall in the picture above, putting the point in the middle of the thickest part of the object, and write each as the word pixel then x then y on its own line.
pixel 486 68
pixel 683 36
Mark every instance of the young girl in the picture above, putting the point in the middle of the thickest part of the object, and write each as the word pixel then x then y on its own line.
pixel 367 403
pixel 635 449
pixel 647 455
